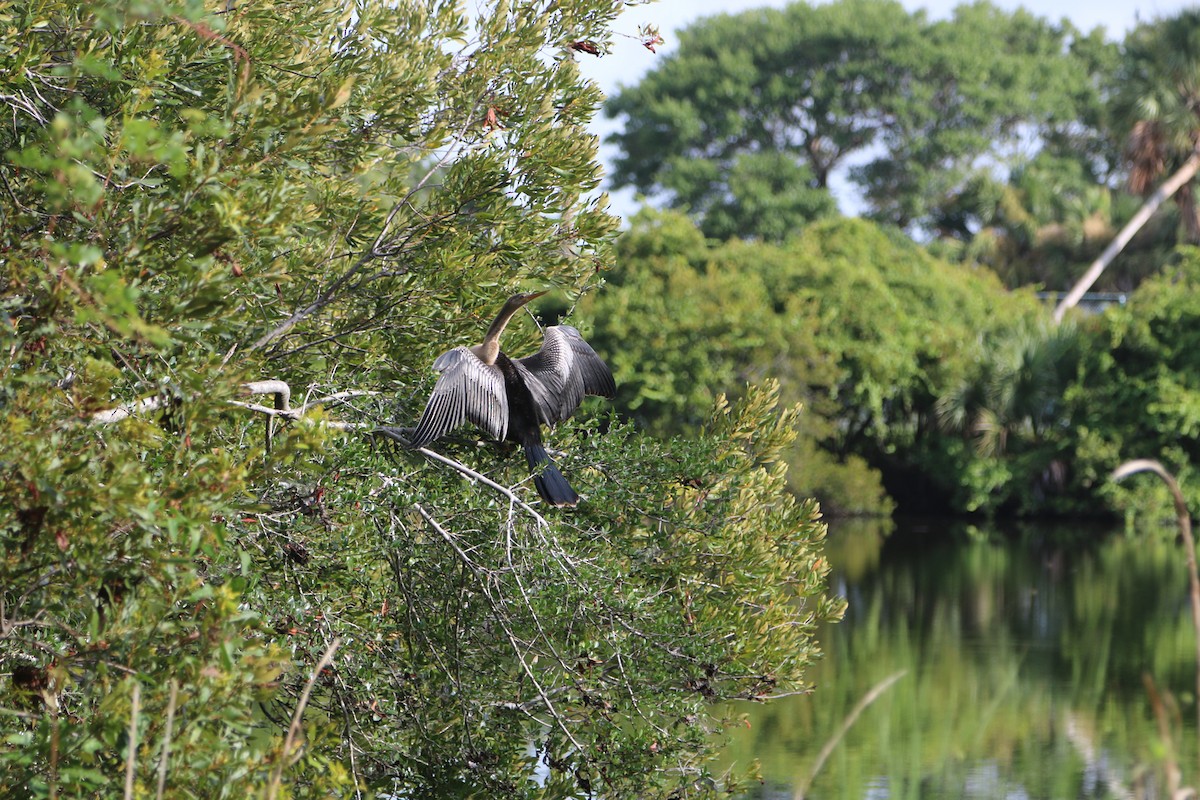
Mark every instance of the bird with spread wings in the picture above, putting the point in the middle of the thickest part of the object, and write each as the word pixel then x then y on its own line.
pixel 511 398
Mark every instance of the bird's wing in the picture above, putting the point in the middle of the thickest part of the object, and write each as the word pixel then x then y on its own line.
pixel 567 368
pixel 544 391
pixel 597 377
pixel 467 391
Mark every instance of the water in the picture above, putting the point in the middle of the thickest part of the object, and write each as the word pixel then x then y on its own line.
pixel 1032 664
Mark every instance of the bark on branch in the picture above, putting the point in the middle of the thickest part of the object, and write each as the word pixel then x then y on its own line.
pixel 475 477
pixel 281 390
pixel 283 409
pixel 1160 196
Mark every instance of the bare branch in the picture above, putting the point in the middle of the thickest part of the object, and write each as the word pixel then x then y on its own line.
pixel 502 619
pixel 376 250
pixel 395 435
pixel 297 413
pixel 279 388
pixel 166 748
pixel 283 408
pixel 126 410
pixel 131 759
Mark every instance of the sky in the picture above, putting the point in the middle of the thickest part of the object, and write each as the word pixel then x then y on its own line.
pixel 629 61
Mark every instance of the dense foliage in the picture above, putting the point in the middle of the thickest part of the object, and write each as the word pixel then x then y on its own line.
pixel 925 384
pixel 997 137
pixel 865 329
pixel 202 595
pixel 1157 103
pixel 1138 393
pixel 809 88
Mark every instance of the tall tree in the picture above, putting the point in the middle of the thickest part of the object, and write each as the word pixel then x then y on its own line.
pixel 858 323
pixel 821 84
pixel 1157 102
pixel 799 82
pixel 987 86
pixel 1158 99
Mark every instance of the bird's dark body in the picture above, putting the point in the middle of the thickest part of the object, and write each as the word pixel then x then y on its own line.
pixel 512 398
pixel 524 429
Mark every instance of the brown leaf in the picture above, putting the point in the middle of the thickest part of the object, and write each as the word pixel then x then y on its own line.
pixel 492 121
pixel 585 46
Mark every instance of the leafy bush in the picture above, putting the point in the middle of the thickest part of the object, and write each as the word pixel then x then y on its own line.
pixel 227 598
pixel 1138 393
pixel 858 324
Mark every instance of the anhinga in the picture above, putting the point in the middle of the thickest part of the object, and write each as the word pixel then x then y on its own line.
pixel 511 398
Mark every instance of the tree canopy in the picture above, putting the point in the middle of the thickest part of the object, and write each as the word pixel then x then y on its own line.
pixel 206 594
pixel 990 141
pixel 925 385
pixel 1157 104
pixel 860 325
pixel 914 107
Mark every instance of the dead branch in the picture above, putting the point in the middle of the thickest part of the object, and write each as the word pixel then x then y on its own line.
pixel 502 619
pixel 395 435
pixel 126 410
pixel 300 411
pixel 285 758
pixel 283 407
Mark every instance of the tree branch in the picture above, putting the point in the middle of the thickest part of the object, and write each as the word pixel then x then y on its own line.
pixel 395 435
pixel 501 618
pixel 126 410
pixel 281 390
pixel 375 251
pixel 1164 192
pixel 294 728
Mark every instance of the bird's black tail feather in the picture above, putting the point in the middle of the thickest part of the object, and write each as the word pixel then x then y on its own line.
pixel 550 483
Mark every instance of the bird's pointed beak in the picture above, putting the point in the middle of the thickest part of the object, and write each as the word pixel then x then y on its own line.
pixel 536 295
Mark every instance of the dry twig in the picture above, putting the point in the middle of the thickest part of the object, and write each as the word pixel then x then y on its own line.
pixel 294 728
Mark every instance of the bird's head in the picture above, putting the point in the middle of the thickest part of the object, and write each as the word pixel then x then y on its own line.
pixel 514 303
pixel 518 300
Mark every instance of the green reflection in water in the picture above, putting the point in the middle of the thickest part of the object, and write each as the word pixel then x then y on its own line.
pixel 1024 663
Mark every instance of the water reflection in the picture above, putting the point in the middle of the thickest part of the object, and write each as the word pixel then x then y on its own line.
pixel 1024 661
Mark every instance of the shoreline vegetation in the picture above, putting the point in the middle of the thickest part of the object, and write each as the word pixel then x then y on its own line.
pixel 932 382
pixel 234 239
pixel 927 387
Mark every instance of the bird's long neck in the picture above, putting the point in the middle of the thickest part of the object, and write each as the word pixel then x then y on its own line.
pixel 490 348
